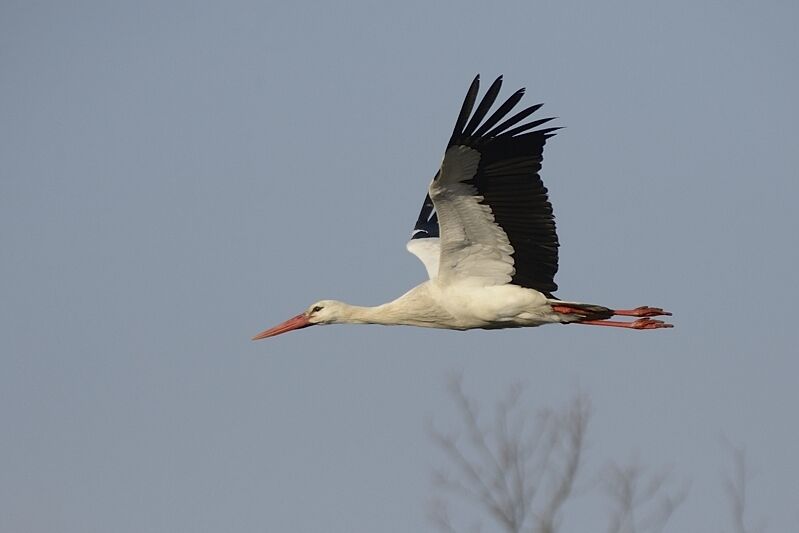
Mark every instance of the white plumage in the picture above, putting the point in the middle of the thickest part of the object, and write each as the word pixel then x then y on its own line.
pixel 428 251
pixel 486 236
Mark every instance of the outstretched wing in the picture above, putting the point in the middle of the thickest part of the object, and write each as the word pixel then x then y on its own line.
pixel 495 219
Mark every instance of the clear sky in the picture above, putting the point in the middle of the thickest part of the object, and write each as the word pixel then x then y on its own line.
pixel 177 176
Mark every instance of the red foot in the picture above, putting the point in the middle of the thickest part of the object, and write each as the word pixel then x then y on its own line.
pixel 641 323
pixel 644 311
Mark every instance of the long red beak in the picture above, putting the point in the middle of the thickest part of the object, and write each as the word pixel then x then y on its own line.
pixel 298 322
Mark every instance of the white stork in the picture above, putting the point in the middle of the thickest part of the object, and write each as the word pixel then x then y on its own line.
pixel 486 236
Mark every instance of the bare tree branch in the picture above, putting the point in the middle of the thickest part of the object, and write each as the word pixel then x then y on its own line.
pixel 572 431
pixel 520 468
pixel 522 471
pixel 642 503
pixel 735 485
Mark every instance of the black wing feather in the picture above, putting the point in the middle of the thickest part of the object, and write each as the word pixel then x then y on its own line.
pixel 466 108
pixel 482 109
pixel 507 179
pixel 503 110
pixel 518 117
pixel 529 126
pixel 427 223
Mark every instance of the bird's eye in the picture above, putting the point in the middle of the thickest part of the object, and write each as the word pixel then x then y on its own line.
pixel 316 309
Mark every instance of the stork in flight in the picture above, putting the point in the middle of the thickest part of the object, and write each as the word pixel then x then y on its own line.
pixel 486 235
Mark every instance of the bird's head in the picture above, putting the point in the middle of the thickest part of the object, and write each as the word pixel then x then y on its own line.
pixel 324 312
pixel 320 313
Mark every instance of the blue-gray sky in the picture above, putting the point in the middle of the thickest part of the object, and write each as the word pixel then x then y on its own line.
pixel 175 177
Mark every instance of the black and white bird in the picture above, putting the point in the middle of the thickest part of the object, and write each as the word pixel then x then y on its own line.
pixel 486 235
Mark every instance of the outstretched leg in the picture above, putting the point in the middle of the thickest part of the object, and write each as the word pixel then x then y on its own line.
pixel 643 311
pixel 641 323
pixel 595 315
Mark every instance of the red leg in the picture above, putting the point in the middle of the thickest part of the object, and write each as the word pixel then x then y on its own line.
pixel 569 310
pixel 641 323
pixel 644 311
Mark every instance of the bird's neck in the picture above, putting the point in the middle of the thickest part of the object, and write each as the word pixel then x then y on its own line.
pixel 386 314
pixel 414 308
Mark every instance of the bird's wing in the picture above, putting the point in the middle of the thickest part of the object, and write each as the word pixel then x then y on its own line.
pixel 495 219
pixel 424 242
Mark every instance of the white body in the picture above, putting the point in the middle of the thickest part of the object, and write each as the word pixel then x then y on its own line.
pixel 451 306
